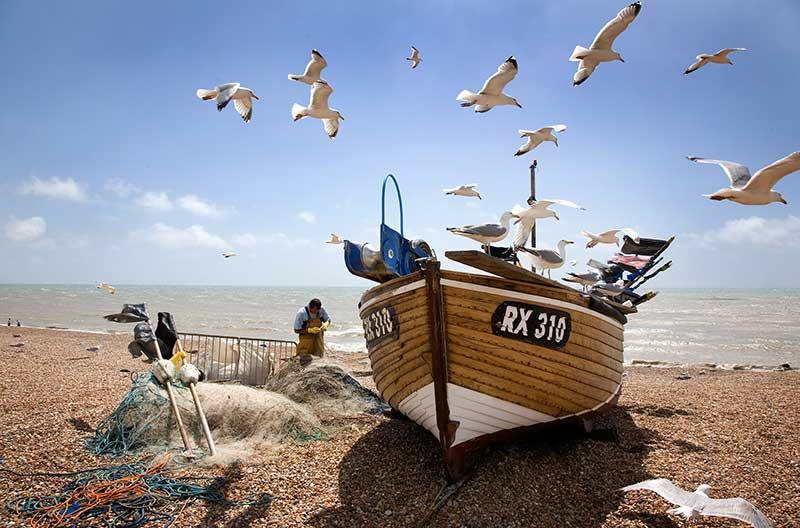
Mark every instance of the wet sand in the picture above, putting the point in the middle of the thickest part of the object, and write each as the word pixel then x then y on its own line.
pixel 737 431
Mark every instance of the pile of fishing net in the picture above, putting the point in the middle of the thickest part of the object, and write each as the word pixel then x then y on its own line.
pixel 242 419
pixel 326 388
pixel 129 495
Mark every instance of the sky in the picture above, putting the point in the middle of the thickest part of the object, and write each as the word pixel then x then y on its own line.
pixel 111 169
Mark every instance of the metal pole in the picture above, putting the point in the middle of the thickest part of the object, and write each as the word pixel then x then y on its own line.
pixel 533 198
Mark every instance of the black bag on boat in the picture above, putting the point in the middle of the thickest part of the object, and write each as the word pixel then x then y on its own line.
pixel 505 253
pixel 646 246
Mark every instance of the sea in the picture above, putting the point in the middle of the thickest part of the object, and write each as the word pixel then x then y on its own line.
pixel 686 326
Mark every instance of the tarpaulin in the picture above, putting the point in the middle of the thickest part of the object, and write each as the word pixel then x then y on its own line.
pixel 646 246
pixel 131 313
pixel 630 261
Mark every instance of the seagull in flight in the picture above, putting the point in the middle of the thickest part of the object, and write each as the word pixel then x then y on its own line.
pixel 469 189
pixel 756 189
pixel 720 57
pixel 414 58
pixel 228 255
pixel 335 239
pixel 491 94
pixel 242 98
pixel 318 108
pixel 600 50
pixel 548 259
pixel 107 287
pixel 313 69
pixel 693 505
pixel 536 137
pixel 609 237
pixel 526 218
pixel 486 234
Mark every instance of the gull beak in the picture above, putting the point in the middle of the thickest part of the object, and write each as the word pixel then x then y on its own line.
pixel 569 242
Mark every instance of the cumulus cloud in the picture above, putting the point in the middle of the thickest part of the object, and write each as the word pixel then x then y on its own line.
pixel 250 240
pixel 171 237
pixel 755 231
pixel 26 230
pixel 55 188
pixel 198 207
pixel 307 217
pixel 119 187
pixel 155 200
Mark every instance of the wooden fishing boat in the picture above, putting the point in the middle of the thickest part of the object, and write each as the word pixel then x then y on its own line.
pixel 478 359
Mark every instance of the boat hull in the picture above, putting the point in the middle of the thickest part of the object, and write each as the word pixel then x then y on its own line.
pixel 478 359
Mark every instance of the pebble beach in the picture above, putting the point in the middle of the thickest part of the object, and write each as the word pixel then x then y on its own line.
pixel 735 430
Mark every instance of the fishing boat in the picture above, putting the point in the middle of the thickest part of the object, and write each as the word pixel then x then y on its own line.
pixel 481 358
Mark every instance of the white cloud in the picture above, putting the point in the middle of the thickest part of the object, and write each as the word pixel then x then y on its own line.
pixel 755 231
pixel 307 217
pixel 55 188
pixel 26 230
pixel 155 200
pixel 194 236
pixel 198 207
pixel 250 240
pixel 119 187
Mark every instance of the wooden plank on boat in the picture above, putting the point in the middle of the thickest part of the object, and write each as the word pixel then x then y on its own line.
pixel 501 268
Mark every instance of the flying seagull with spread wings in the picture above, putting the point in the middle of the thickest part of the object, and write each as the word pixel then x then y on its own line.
pixel 756 189
pixel 414 58
pixel 318 108
pixel 693 505
pixel 600 50
pixel 491 94
pixel 335 239
pixel 228 255
pixel 720 57
pixel 469 189
pixel 536 137
pixel 609 237
pixel 526 218
pixel 313 69
pixel 225 93
pixel 486 234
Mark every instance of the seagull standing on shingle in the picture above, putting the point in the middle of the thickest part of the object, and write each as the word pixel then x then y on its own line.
pixel 536 137
pixel 491 94
pixel 720 57
pixel 600 50
pixel 225 93
pixel 313 69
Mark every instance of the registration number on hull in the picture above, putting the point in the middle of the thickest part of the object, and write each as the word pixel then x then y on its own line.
pixel 532 323
pixel 380 326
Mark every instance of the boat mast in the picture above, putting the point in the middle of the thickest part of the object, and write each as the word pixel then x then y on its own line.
pixel 533 198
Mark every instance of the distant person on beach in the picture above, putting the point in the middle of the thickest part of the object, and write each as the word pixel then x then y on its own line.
pixel 310 323
pixel 9 323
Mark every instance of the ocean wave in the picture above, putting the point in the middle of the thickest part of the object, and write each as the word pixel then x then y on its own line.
pixel 346 348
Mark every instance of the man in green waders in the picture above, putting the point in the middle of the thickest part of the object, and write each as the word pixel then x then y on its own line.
pixel 310 323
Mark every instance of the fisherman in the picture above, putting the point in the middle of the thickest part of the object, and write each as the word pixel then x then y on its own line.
pixel 9 321
pixel 310 323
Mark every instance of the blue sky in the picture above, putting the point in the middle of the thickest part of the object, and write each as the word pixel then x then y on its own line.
pixel 112 170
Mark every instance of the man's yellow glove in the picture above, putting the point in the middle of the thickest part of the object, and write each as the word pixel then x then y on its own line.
pixel 314 330
pixel 325 325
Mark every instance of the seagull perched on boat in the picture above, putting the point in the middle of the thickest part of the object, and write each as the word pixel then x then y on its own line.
pixel 720 57
pixel 335 239
pixel 414 58
pixel 486 234
pixel 242 98
pixel 228 255
pixel 107 287
pixel 536 137
pixel 313 69
pixel 609 237
pixel 600 50
pixel 526 218
pixel 586 280
pixel 318 108
pixel 547 259
pixel 491 94
pixel 464 190
pixel 609 289
pixel 755 190
pixel 693 505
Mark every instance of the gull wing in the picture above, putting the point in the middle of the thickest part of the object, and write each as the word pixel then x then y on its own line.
pixel 225 93
pixel 737 509
pixel 701 61
pixel 669 491
pixel 483 230
pixel 315 65
pixel 244 106
pixel 764 179
pixel 553 128
pixel 331 127
pixel 414 53
pixel 532 143
pixel 320 92
pixel 630 232
pixel 605 39
pixel 505 73
pixel 524 227
pixel 566 203
pixel 738 174
pixel 724 52
pixel 547 255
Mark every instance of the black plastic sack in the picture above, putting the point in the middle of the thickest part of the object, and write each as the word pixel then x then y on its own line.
pixel 166 332
pixel 505 253
pixel 144 342
pixel 646 246
pixel 131 313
